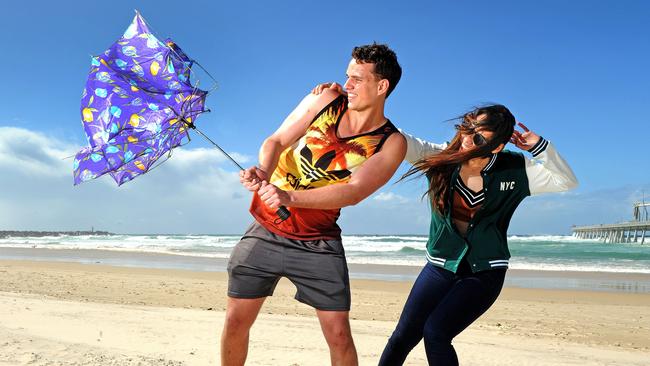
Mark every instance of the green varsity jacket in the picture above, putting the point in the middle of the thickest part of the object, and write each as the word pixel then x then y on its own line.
pixel 508 178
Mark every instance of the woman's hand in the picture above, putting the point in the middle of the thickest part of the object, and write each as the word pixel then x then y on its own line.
pixel 525 140
pixel 320 87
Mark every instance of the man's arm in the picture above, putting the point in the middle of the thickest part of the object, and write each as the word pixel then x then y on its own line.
pixel 293 127
pixel 368 178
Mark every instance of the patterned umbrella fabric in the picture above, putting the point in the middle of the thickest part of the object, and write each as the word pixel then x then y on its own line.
pixel 137 105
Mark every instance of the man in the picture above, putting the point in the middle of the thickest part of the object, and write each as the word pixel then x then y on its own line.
pixel 332 151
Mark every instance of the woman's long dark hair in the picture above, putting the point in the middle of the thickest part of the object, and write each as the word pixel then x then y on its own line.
pixel 439 167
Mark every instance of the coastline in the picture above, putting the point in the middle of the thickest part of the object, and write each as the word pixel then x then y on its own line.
pixel 522 278
pixel 96 314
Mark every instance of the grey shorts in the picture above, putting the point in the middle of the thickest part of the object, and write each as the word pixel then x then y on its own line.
pixel 316 267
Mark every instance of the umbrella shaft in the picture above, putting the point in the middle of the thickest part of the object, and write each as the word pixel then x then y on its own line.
pixel 218 147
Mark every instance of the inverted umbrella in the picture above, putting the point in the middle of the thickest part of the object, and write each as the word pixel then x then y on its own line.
pixel 138 104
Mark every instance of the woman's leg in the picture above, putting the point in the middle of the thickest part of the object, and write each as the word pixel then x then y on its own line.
pixel 429 288
pixel 469 297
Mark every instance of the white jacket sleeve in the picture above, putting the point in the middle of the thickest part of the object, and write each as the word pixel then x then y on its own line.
pixel 547 171
pixel 418 148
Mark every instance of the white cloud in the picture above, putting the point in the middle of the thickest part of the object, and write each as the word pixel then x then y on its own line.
pixel 32 153
pixel 195 191
pixel 389 197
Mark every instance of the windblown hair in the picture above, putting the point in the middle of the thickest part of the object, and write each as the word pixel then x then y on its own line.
pixel 439 167
pixel 385 60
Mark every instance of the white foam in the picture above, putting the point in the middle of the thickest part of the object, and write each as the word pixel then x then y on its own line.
pixel 361 249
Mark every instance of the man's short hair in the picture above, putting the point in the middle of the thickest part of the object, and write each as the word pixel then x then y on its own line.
pixel 385 60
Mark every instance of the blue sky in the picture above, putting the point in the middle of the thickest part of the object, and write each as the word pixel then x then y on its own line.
pixel 575 72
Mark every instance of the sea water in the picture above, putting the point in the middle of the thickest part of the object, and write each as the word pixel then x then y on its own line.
pixel 542 253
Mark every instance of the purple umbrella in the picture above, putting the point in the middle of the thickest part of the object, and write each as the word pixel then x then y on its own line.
pixel 138 105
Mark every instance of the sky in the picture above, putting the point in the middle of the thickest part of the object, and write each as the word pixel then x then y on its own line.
pixel 575 72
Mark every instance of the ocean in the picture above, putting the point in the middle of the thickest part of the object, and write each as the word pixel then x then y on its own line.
pixel 540 253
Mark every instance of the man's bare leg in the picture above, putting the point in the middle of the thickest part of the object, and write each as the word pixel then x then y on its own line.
pixel 240 316
pixel 336 329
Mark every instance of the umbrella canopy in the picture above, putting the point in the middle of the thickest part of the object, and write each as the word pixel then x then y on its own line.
pixel 137 105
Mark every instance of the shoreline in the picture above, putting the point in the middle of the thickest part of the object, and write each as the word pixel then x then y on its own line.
pixel 619 282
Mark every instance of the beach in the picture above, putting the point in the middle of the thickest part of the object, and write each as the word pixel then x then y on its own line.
pixel 58 312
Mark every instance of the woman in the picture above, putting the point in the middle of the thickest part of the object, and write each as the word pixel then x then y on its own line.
pixel 474 188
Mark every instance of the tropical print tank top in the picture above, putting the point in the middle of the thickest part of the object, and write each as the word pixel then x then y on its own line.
pixel 318 159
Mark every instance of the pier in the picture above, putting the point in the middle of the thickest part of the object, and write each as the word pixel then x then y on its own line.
pixel 625 232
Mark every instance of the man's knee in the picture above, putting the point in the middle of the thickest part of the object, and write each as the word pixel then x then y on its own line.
pixel 240 315
pixel 340 341
pixel 337 333
pixel 236 322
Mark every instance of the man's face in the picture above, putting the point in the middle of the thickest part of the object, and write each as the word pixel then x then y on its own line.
pixel 362 85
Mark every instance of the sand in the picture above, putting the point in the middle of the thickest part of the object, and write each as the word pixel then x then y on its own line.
pixel 57 313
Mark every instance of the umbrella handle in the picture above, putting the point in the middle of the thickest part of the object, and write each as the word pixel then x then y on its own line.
pixel 283 214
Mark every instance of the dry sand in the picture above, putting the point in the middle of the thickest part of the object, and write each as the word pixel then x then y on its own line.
pixel 74 314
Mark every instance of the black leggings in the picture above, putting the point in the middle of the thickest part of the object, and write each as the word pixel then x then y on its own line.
pixel 440 306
